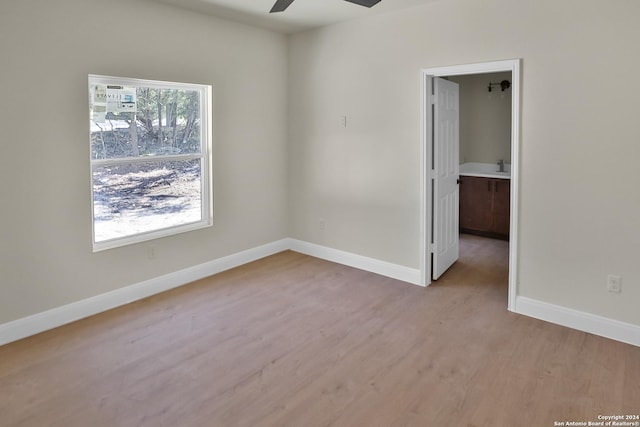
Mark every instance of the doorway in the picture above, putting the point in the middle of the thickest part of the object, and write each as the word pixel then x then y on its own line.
pixel 429 128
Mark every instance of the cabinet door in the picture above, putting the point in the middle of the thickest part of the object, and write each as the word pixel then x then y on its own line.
pixel 475 203
pixel 501 204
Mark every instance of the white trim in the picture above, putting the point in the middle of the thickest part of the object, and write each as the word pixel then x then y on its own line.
pixel 580 320
pixel 40 322
pixel 395 271
pixel 512 65
pixel 425 181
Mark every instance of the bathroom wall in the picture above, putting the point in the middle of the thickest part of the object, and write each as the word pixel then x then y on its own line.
pixel 485 118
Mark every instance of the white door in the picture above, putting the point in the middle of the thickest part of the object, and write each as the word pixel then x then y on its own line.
pixel 446 175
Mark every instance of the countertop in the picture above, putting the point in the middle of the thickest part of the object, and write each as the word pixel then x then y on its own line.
pixel 485 170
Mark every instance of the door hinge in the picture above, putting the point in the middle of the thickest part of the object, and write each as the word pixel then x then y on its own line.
pixel 432 248
pixel 432 174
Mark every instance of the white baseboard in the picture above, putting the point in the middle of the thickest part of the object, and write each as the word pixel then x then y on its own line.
pixel 582 321
pixel 395 271
pixel 40 322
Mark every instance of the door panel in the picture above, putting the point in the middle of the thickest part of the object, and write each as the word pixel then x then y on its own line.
pixel 446 148
pixel 475 203
pixel 501 204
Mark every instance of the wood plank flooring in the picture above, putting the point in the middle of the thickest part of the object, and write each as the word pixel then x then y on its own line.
pixel 292 340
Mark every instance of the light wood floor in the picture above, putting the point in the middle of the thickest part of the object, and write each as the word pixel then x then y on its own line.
pixel 296 341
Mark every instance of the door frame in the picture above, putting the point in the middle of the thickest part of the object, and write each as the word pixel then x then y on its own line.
pixel 512 65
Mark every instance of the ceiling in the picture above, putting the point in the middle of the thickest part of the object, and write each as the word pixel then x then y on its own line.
pixel 300 16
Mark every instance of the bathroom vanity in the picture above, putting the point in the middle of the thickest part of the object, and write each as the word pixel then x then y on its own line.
pixel 485 200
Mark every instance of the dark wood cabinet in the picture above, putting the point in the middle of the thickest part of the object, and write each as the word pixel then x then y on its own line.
pixel 501 204
pixel 484 206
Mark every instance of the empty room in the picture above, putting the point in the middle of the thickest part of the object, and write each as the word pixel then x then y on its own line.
pixel 287 213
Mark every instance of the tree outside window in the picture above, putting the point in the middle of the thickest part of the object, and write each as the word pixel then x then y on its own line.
pixel 150 155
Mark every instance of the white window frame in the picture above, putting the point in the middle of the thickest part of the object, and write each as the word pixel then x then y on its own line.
pixel 206 179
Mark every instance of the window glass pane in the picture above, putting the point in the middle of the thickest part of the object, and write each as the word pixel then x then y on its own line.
pixel 130 199
pixel 129 121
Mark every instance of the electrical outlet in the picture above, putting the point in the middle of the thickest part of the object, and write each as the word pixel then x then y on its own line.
pixel 614 283
pixel 343 121
pixel 151 252
pixel 322 224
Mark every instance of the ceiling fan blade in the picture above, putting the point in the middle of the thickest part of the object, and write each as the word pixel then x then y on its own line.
pixel 367 3
pixel 281 5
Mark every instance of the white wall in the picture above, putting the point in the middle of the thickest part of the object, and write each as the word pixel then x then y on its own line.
pixel 580 145
pixel 485 118
pixel 47 49
pixel 580 208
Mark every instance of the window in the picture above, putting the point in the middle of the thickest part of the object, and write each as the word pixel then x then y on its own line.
pixel 150 159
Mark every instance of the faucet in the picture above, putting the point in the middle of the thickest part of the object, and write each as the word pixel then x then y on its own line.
pixel 500 165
